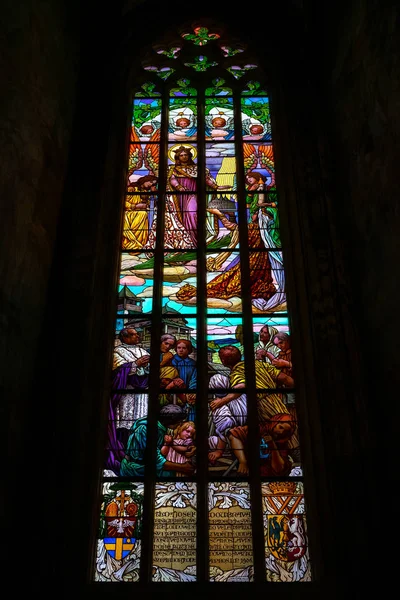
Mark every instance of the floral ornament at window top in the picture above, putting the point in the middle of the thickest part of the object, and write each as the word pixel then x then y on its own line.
pixel 230 51
pixel 200 37
pixel 218 88
pixel 172 52
pixel 253 88
pixel 201 63
pixel 148 90
pixel 238 72
pixel 163 72
pixel 184 88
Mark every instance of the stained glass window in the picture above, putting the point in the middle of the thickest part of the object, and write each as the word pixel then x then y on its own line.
pixel 202 464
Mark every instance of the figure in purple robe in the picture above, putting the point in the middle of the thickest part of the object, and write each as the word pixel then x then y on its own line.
pixel 130 372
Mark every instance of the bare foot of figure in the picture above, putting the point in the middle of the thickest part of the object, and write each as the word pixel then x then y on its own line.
pixel 243 469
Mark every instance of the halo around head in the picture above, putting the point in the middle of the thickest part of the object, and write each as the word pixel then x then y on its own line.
pixel 172 150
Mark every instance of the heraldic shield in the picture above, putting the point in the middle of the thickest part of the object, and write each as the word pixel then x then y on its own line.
pixel 120 520
pixel 285 537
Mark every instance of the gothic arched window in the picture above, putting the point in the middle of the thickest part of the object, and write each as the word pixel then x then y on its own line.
pixel 203 464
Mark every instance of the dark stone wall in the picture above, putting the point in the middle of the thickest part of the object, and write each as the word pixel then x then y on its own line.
pixel 352 51
pixel 64 111
pixel 58 271
pixel 39 64
pixel 357 46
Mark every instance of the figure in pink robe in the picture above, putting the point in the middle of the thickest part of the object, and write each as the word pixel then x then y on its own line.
pixel 182 197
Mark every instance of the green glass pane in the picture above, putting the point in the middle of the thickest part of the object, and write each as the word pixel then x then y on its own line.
pixel 184 88
pixel 232 50
pixel 149 90
pixel 201 63
pixel 201 36
pixel 162 72
pixel 146 118
pixel 253 88
pixel 239 70
pixel 218 88
pixel 255 117
pixel 169 51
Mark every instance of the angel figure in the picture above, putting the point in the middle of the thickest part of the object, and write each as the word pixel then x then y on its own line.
pixel 265 215
pixel 220 124
pixel 149 156
pixel 182 124
pixel 140 198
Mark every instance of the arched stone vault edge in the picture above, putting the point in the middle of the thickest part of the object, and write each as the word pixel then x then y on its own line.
pixel 311 270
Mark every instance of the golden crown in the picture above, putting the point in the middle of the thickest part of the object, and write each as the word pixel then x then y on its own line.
pixel 282 487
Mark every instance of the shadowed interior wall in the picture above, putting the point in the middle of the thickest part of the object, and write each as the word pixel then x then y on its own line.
pixel 64 113
pixel 40 45
pixel 360 68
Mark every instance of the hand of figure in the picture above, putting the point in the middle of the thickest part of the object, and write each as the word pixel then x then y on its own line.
pixel 168 439
pixel 175 383
pixel 186 468
pixel 217 403
pixel 191 399
pixel 214 456
pixel 215 211
pixel 178 382
pixel 143 360
pixel 278 362
pixel 260 354
pixel 190 452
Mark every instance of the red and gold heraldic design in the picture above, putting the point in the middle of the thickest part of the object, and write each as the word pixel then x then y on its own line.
pixel 285 531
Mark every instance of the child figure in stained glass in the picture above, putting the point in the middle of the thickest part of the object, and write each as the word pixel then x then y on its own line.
pixel 186 367
pixel 133 464
pixel 182 124
pixel 180 447
pixel 219 123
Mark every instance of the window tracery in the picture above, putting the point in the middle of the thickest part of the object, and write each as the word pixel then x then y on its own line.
pixel 203 459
